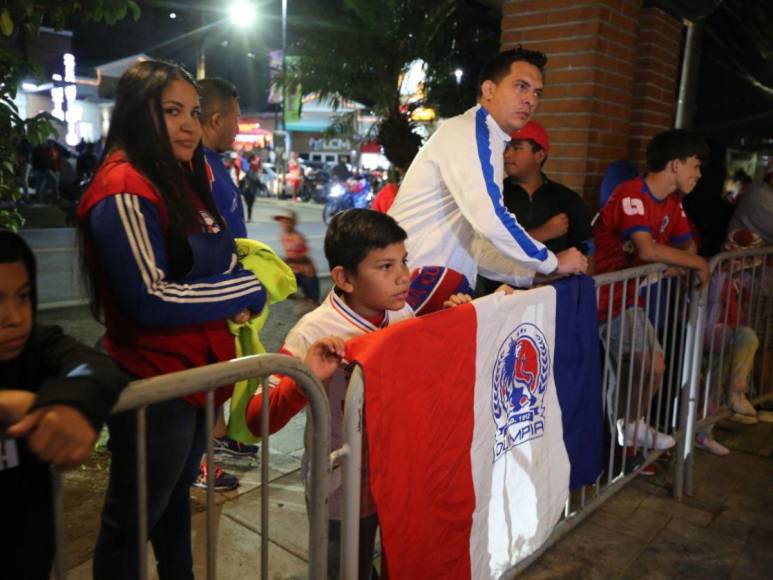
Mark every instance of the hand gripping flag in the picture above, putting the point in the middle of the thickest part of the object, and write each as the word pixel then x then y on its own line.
pixel 469 459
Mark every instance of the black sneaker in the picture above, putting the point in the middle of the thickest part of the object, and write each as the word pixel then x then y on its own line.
pixel 232 447
pixel 223 481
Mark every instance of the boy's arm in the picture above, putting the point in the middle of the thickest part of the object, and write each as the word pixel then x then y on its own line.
pixel 285 399
pixel 649 250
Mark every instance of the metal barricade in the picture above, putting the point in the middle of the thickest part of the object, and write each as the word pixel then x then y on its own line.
pixel 732 347
pixel 140 394
pixel 642 389
pixel 628 390
pixel 663 388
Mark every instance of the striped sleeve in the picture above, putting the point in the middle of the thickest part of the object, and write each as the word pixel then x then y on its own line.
pixel 477 190
pixel 128 236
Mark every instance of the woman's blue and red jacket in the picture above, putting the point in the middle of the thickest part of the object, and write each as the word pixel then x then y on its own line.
pixel 156 324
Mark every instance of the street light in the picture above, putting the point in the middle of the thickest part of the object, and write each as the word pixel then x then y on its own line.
pixel 242 13
pixel 458 73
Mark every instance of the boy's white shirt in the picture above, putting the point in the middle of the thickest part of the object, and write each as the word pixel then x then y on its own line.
pixel 334 318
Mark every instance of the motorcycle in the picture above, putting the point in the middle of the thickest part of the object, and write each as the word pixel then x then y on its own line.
pixel 313 187
pixel 353 193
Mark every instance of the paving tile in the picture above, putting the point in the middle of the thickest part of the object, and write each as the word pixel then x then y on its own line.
pixel 624 502
pixel 750 501
pixel 678 510
pixel 238 553
pixel 288 519
pixel 567 569
pixel 642 524
pixel 752 439
pixel 685 550
pixel 728 527
pixel 762 520
pixel 591 551
pixel 756 561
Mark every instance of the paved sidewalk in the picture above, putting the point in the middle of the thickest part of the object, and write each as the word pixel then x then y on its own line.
pixel 725 530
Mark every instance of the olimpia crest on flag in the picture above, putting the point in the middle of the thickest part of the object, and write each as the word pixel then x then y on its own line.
pixel 519 381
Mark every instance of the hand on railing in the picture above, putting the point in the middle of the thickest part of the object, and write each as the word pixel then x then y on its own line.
pixel 571 261
pixel 703 272
pixel 324 356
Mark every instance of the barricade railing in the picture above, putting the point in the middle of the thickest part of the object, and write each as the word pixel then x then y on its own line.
pixel 628 395
pixel 732 347
pixel 140 394
pixel 645 357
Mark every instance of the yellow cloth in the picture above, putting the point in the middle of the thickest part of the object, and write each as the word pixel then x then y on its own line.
pixel 279 281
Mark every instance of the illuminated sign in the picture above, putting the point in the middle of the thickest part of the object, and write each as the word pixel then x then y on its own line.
pixel 63 96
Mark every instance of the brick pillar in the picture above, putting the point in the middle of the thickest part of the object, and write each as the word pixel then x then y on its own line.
pixel 594 50
pixel 658 57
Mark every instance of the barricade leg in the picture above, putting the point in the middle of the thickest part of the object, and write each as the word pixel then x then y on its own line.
pixel 57 493
pixel 211 540
pixel 142 495
pixel 352 473
pixel 264 476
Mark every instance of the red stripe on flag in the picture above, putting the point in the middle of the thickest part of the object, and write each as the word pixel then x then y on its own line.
pixel 419 387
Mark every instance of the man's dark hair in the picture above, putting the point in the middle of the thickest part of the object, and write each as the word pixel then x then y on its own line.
pixel 674 144
pixel 353 233
pixel 215 95
pixel 400 141
pixel 499 67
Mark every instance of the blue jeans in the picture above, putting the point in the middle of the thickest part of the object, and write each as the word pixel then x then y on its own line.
pixel 176 438
pixel 309 285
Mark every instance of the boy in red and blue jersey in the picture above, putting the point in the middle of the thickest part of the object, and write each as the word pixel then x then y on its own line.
pixel 643 222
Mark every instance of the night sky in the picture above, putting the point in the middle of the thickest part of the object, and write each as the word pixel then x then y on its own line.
pixel 732 100
pixel 240 56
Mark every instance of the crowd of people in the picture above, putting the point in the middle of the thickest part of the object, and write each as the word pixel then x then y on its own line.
pixel 159 225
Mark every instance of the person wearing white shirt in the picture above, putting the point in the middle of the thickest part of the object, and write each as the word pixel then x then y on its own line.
pixel 450 201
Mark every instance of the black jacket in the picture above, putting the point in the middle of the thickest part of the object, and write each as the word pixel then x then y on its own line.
pixel 61 370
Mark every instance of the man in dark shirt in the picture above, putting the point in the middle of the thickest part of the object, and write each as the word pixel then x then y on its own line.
pixel 550 212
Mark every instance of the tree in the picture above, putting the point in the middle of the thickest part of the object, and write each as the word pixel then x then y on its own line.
pixel 18 20
pixel 358 49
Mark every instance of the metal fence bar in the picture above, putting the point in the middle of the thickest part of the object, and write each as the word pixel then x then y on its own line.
pixel 691 421
pixel 667 342
pixel 352 475
pixel 265 451
pixel 142 494
pixel 211 540
pixel 140 394
pixel 58 505
pixel 671 402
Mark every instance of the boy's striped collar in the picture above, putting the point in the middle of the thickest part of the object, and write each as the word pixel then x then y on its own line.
pixel 337 303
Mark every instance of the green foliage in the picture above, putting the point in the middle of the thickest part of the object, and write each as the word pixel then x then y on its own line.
pixel 357 49
pixel 20 19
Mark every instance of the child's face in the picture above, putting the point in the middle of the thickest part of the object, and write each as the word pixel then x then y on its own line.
pixel 381 282
pixel 15 309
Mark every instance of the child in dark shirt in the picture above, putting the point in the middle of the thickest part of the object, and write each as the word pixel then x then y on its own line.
pixel 54 396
